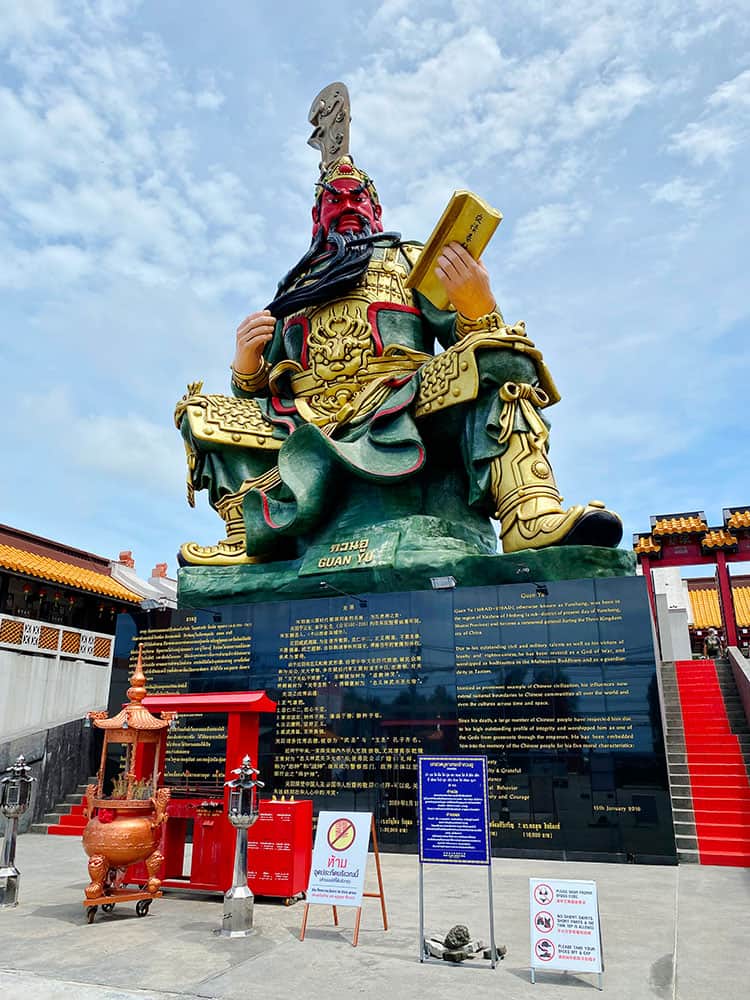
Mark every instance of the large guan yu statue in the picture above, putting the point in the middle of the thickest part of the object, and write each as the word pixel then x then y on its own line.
pixel 342 413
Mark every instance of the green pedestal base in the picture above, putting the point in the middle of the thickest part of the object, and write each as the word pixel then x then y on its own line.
pixel 402 555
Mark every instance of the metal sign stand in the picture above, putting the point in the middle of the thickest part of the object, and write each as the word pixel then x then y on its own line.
pixel 380 894
pixel 600 978
pixel 476 833
pixel 424 955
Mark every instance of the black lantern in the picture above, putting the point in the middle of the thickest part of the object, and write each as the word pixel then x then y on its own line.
pixel 243 812
pixel 16 789
pixel 15 795
pixel 243 795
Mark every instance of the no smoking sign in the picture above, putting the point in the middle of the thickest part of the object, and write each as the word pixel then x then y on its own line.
pixel 341 834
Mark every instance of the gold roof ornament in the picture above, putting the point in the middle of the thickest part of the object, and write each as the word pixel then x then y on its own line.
pixel 646 546
pixel 738 519
pixel 680 524
pixel 718 538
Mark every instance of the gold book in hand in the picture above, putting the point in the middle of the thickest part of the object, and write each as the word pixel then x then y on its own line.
pixel 467 220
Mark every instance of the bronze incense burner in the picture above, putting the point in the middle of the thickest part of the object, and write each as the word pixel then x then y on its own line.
pixel 125 827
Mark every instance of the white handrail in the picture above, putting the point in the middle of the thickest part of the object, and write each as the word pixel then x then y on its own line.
pixel 29 635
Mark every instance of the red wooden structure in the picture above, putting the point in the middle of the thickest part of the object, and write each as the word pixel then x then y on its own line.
pixel 280 842
pixel 686 540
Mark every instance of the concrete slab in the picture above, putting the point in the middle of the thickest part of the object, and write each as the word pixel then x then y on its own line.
pixel 48 952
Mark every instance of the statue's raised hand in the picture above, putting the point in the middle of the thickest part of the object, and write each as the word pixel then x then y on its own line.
pixel 253 334
pixel 465 280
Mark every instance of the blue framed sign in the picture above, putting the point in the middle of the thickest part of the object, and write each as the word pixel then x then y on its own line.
pixel 454 824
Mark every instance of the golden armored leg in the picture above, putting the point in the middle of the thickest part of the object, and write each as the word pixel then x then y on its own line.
pixel 230 551
pixel 529 505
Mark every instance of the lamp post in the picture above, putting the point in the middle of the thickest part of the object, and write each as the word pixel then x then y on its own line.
pixel 15 793
pixel 243 812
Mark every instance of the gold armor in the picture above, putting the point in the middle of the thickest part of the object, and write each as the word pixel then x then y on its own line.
pixel 453 376
pixel 227 420
pixel 529 505
pixel 232 550
pixel 344 377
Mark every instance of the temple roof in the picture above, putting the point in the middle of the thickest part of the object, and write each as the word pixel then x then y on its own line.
pixel 646 546
pixel 690 524
pixel 705 606
pixel 68 574
pixel 132 717
pixel 669 531
pixel 737 519
pixel 741 597
pixel 706 611
pixel 718 538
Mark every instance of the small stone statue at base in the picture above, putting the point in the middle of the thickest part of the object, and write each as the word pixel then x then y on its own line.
pixel 458 945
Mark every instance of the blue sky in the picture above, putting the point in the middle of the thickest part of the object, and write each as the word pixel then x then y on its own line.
pixel 156 183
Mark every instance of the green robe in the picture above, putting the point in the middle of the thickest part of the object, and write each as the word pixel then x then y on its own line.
pixel 443 458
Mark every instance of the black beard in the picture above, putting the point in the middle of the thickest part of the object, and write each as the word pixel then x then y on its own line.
pixel 337 270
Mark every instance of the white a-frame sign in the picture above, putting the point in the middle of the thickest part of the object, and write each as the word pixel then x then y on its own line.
pixel 339 862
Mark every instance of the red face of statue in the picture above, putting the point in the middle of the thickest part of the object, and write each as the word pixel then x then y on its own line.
pixel 347 209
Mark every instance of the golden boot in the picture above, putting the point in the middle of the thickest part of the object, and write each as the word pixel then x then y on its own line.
pixel 230 551
pixel 529 505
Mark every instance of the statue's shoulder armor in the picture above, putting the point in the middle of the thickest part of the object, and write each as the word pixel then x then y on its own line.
pixel 411 251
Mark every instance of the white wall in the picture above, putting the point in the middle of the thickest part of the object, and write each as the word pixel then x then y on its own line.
pixel 39 692
pixel 672 603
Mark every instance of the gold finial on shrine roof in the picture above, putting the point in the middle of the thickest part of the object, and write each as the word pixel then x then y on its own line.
pixel 134 715
pixel 137 689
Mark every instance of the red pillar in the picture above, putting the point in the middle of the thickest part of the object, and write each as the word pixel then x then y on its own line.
pixel 242 738
pixel 725 599
pixel 648 577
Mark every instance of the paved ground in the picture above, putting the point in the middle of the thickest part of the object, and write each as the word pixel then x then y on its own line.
pixel 655 922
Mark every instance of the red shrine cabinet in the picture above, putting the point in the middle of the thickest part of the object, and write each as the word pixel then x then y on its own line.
pixel 198 843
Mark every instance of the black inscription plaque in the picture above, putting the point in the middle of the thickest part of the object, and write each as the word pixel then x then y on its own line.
pixel 556 685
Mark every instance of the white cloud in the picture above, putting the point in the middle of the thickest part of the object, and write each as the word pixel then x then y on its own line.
pixel 472 99
pixel 704 142
pixel 722 129
pixel 679 192
pixel 130 448
pixel 734 92
pixel 603 103
pixel 545 230
pixel 87 162
pixel 30 18
pixel 61 264
pixel 683 37
pixel 209 100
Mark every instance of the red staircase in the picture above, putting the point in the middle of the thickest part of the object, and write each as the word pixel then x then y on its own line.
pixel 67 819
pixel 71 824
pixel 718 777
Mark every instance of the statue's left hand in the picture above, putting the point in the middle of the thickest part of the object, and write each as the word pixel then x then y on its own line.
pixel 465 280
